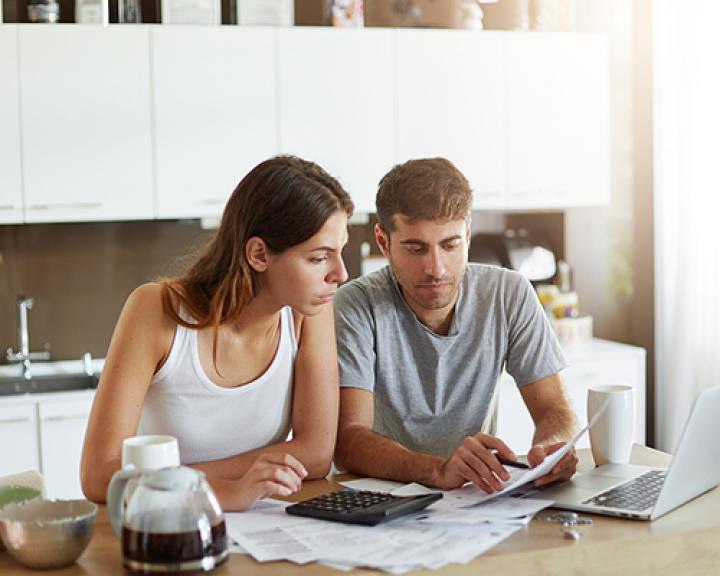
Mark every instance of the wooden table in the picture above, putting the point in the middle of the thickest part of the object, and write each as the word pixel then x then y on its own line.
pixel 684 542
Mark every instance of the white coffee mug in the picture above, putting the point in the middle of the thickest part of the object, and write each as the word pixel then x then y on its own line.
pixel 611 437
pixel 150 452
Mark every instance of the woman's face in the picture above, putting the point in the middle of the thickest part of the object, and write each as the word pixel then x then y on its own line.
pixel 306 276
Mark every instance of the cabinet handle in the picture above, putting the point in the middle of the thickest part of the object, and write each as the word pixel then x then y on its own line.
pixel 15 420
pixel 7 207
pixel 66 206
pixel 212 201
pixel 537 193
pixel 61 418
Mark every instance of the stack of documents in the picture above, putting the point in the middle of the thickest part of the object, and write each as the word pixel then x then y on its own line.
pixel 456 529
pixel 429 539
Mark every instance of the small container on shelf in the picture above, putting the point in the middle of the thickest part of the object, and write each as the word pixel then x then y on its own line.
pixel 129 12
pixel 571 331
pixel 191 12
pixel 347 13
pixel 43 11
pixel 547 294
pixel 565 305
pixel 91 11
pixel 265 12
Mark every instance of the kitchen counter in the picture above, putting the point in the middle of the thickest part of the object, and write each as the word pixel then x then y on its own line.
pixel 49 378
pixel 685 541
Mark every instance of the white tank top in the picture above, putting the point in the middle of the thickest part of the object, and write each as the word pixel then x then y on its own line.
pixel 212 422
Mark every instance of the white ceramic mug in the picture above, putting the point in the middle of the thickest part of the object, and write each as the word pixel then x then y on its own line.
pixel 611 437
pixel 139 454
pixel 150 452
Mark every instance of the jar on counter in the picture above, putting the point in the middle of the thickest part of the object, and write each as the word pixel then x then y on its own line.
pixel 43 11
pixel 129 12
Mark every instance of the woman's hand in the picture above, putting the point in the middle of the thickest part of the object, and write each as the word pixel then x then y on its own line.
pixel 269 475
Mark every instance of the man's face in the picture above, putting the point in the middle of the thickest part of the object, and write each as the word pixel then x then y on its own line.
pixel 428 258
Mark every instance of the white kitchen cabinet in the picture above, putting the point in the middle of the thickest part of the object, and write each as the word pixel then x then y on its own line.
pixel 18 438
pixel 599 362
pixel 10 182
pixel 85 122
pixel 214 113
pixel 45 432
pixel 63 421
pixel 139 122
pixel 558 121
pixel 336 104
pixel 451 102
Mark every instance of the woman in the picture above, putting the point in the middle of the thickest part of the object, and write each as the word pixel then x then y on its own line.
pixel 240 349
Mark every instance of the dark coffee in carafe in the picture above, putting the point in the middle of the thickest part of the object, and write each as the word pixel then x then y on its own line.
pixel 145 552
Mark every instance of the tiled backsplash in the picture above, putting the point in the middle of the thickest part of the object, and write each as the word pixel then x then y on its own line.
pixel 81 274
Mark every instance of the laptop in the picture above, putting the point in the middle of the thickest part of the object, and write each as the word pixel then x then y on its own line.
pixel 644 493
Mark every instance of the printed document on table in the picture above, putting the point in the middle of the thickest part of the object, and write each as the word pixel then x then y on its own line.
pixel 268 533
pixel 506 510
pixel 470 495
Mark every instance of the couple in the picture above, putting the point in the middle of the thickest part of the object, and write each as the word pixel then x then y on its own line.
pixel 241 349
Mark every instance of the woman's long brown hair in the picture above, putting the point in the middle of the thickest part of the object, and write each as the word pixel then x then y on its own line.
pixel 284 201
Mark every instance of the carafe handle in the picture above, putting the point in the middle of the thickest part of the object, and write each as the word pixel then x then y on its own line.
pixel 115 497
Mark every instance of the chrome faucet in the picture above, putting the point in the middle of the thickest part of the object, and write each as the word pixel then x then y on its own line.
pixel 24 356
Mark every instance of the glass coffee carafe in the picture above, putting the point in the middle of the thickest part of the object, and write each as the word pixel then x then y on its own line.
pixel 169 520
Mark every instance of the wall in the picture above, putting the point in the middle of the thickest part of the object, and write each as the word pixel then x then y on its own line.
pixel 611 249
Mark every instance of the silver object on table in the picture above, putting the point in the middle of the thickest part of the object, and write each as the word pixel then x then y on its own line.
pixel 45 534
pixel 567 522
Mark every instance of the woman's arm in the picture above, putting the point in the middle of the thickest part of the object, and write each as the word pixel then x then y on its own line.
pixel 141 341
pixel 314 409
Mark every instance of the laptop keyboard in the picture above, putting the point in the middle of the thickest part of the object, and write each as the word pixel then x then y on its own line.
pixel 637 494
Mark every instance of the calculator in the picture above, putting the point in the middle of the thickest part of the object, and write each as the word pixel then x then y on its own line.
pixel 361 506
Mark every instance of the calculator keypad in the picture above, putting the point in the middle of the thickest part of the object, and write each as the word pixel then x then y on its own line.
pixel 360 506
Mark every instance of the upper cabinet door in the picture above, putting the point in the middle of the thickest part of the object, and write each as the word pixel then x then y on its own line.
pixel 10 183
pixel 590 123
pixel 452 103
pixel 86 122
pixel 214 111
pixel 336 104
pixel 558 120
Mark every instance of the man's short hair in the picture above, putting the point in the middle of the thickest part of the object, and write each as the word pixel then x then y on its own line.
pixel 423 189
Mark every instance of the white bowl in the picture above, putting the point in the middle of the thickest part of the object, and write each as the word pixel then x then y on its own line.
pixel 47 533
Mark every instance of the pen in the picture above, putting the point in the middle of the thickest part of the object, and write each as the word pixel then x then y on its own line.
pixel 511 463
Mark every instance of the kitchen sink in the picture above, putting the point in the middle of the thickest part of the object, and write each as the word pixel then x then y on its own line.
pixel 11 385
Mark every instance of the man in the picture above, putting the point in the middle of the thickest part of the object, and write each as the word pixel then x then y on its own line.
pixel 421 345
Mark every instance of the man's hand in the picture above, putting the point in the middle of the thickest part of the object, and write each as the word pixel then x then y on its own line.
pixel 475 461
pixel 563 470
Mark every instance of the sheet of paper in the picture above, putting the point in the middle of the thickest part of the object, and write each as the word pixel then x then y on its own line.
pixel 470 495
pixel 402 546
pixel 268 533
pixel 373 484
pixel 258 532
pixel 504 509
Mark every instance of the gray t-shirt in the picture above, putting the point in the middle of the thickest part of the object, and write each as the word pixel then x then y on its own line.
pixel 431 391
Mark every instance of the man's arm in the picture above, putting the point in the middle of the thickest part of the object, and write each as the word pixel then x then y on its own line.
pixel 362 451
pixel 555 424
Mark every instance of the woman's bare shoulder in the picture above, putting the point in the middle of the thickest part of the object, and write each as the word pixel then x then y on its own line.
pixel 145 305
